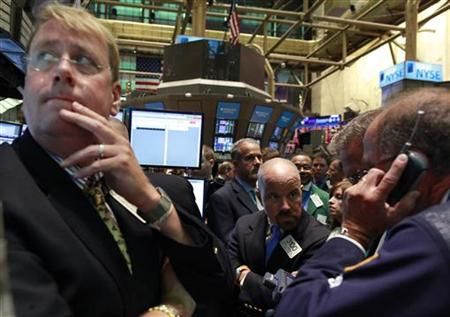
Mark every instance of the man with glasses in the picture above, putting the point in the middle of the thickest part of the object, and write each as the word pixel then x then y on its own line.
pixel 73 249
pixel 314 199
pixel 409 274
pixel 237 197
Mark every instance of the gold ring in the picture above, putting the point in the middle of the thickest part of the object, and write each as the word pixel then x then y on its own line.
pixel 101 148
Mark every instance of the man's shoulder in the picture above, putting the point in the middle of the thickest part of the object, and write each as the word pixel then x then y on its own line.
pixel 313 228
pixel 228 187
pixel 320 192
pixel 253 219
pixel 437 217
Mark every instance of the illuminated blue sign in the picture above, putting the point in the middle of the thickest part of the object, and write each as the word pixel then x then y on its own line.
pixel 423 71
pixel 228 110
pixel 285 119
pixel 324 121
pixel 261 114
pixel 392 75
pixel 411 70
pixel 154 105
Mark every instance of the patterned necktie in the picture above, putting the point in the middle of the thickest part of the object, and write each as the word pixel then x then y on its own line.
pixel 272 241
pixel 95 189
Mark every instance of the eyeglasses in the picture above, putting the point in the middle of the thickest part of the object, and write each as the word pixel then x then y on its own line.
pixel 356 177
pixel 44 61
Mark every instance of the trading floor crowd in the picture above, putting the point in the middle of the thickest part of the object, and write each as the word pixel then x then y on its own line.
pixel 90 233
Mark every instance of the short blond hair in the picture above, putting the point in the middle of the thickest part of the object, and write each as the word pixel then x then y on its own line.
pixel 79 19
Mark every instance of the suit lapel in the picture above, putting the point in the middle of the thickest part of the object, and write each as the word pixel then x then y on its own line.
pixel 243 197
pixel 254 242
pixel 71 204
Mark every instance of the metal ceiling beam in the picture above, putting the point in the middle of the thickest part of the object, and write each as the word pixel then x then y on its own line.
pixel 266 19
pixel 331 38
pixel 302 59
pixel 392 37
pixel 293 27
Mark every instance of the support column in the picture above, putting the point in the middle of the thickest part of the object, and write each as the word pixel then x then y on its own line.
pixel 199 18
pixel 412 8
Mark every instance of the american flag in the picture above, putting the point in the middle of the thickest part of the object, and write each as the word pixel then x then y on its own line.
pixel 148 82
pixel 233 24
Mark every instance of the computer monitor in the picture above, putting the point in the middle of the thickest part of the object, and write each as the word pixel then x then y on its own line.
pixel 225 127
pixel 274 145
pixel 199 192
pixel 277 133
pixel 223 144
pixel 9 131
pixel 166 138
pixel 255 130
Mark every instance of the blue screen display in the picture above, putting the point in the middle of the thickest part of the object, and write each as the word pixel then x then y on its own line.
pixel 261 114
pixel 285 119
pixel 228 110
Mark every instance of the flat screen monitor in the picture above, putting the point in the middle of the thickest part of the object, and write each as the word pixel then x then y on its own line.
pixel 166 139
pixel 261 114
pixel 277 133
pixel 223 143
pixel 9 131
pixel 228 110
pixel 255 130
pixel 274 145
pixel 225 127
pixel 199 192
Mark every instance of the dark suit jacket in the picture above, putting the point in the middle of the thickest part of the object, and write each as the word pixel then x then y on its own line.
pixel 226 206
pixel 410 275
pixel 247 247
pixel 64 262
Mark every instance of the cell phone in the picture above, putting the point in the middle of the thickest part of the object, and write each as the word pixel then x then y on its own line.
pixel 416 166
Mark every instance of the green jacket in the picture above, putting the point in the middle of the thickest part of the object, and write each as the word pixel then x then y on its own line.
pixel 318 204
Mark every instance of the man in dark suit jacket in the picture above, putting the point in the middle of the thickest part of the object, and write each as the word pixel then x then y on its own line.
pixel 63 259
pixel 235 198
pixel 280 187
pixel 409 273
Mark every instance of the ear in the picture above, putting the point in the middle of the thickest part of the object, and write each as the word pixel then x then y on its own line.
pixel 116 89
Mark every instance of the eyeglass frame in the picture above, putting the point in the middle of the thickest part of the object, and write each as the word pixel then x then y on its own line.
pixel 57 60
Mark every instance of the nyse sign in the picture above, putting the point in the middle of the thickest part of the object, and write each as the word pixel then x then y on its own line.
pixel 423 71
pixel 411 70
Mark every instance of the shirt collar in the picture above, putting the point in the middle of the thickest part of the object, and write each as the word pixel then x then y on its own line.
pixel 307 187
pixel 247 187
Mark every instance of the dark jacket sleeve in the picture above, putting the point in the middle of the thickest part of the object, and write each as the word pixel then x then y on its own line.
pixel 204 268
pixel 220 216
pixel 410 272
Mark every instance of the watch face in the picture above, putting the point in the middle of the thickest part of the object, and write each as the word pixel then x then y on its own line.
pixel 161 211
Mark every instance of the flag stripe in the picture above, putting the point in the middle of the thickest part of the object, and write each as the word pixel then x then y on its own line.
pixel 233 24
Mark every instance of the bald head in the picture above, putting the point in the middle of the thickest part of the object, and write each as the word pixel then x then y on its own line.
pixel 278 168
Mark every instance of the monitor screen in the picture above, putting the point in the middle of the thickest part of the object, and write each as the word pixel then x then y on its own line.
pixel 199 192
pixel 225 126
pixel 223 144
pixel 228 110
pixel 166 139
pixel 277 133
pixel 285 119
pixel 255 130
pixel 9 131
pixel 274 145
pixel 261 114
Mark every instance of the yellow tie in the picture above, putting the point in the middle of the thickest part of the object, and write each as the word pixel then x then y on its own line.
pixel 95 189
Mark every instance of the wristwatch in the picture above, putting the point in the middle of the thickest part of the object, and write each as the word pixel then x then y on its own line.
pixel 162 210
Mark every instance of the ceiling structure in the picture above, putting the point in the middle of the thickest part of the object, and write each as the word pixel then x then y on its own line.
pixel 340 28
